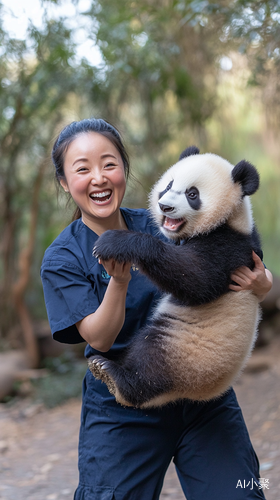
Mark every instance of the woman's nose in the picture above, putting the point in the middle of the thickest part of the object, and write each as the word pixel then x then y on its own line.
pixel 97 177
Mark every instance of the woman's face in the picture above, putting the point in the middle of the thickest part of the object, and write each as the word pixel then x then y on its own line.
pixel 95 177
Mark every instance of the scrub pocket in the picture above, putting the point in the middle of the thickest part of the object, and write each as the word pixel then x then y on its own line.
pixel 87 493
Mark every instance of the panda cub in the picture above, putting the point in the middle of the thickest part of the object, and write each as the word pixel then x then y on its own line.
pixel 201 333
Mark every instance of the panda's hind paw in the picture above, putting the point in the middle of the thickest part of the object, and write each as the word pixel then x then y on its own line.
pixel 95 364
pixel 98 366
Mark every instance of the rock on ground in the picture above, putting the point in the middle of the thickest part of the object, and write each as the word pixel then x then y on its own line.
pixel 38 447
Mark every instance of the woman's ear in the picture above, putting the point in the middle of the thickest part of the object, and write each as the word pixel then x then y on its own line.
pixel 64 184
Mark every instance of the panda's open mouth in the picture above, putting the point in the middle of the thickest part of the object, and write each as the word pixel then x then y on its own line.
pixel 172 224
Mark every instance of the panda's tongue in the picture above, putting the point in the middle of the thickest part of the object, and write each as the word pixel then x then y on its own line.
pixel 172 224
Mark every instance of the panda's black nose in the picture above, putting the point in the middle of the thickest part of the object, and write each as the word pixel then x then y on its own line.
pixel 165 208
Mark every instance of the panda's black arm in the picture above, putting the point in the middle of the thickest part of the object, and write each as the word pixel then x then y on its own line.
pixel 164 263
pixel 142 249
pixel 197 272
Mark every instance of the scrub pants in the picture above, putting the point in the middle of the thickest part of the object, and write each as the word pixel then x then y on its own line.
pixel 124 452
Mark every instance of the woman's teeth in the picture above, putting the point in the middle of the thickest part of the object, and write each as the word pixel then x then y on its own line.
pixel 99 197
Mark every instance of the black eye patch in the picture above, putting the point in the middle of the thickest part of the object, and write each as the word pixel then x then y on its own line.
pixel 169 186
pixel 193 198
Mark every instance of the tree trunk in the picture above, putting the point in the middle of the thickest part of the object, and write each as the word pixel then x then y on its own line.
pixel 25 261
pixel 6 300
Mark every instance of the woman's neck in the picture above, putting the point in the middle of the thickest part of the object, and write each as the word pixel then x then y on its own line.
pixel 100 225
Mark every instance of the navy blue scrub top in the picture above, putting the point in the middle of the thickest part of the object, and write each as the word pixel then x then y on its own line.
pixel 74 283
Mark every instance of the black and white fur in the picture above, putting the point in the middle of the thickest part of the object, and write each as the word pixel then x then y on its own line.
pixel 201 333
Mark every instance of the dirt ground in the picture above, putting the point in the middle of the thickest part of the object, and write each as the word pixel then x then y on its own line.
pixel 38 447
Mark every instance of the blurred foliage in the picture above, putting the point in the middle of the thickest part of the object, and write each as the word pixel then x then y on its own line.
pixel 160 76
pixel 63 382
pixel 239 130
pixel 254 26
pixel 162 82
pixel 37 76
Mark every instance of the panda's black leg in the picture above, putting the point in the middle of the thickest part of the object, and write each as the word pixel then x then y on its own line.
pixel 119 380
pixel 129 385
pixel 98 366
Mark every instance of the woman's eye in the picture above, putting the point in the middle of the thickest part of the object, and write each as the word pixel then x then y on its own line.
pixel 82 169
pixel 110 165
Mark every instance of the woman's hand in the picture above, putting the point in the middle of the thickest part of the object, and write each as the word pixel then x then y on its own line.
pixel 120 272
pixel 259 280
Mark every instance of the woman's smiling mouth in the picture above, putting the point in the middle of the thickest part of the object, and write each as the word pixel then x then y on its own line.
pixel 101 196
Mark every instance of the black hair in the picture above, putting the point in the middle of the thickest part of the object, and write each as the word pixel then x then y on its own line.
pixel 71 131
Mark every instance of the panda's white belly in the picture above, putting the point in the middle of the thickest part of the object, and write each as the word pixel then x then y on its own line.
pixel 210 343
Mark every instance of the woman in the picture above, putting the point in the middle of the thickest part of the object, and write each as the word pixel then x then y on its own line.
pixel 125 452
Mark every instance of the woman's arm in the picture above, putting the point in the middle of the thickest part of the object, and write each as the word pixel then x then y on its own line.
pixel 259 280
pixel 101 328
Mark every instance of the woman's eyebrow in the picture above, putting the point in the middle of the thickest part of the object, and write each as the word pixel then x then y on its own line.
pixel 79 159
pixel 105 155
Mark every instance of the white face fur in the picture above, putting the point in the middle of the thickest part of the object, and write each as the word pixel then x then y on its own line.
pixel 198 194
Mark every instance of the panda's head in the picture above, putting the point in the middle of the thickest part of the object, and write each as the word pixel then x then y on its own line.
pixel 201 192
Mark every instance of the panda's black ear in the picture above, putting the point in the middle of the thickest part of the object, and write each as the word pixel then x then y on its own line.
pixel 190 151
pixel 246 174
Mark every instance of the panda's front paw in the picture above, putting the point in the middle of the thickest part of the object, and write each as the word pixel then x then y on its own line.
pixel 112 245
